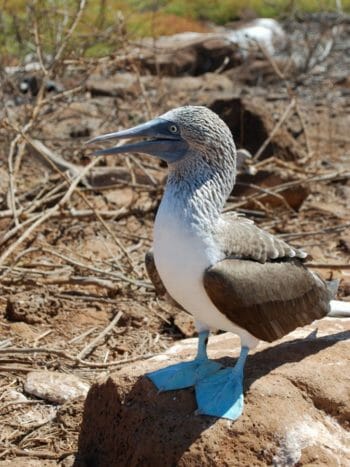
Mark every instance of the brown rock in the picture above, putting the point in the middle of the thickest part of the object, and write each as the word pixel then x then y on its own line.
pixel 185 323
pixel 76 120
pixel 297 406
pixel 251 123
pixel 194 53
pixel 127 84
pixel 187 55
pixel 31 308
pixel 120 196
pixel 120 85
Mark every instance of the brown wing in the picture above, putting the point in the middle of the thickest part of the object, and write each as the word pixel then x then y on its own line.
pixel 156 280
pixel 268 300
pixel 153 274
pixel 241 238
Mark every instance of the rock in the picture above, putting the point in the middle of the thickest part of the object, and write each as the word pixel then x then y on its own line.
pixel 13 396
pixel 67 461
pixel 31 308
pixel 66 122
pixel 297 408
pixel 25 462
pixel 120 85
pixel 251 122
pixel 179 55
pixel 185 323
pixel 263 32
pixel 54 386
pixel 120 197
pixel 127 84
pixel 195 53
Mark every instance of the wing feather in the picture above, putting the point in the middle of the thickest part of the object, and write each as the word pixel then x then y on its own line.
pixel 241 238
pixel 262 284
pixel 268 300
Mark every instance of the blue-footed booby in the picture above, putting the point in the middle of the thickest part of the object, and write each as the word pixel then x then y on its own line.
pixel 222 268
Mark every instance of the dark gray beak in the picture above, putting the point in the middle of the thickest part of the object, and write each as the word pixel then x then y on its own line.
pixel 161 138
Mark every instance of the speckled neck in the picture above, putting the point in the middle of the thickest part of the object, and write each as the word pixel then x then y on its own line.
pixel 200 186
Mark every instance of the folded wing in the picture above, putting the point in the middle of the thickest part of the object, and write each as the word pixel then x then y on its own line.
pixel 263 286
pixel 241 238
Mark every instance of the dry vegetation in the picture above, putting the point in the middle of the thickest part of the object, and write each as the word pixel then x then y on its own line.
pixel 74 230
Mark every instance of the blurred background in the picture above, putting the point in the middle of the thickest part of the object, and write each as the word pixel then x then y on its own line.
pixel 75 299
pixel 103 21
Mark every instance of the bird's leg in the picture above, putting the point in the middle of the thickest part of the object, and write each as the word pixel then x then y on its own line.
pixel 202 346
pixel 221 394
pixel 186 374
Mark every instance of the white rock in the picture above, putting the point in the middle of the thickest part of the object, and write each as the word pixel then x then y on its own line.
pixel 264 31
pixel 13 396
pixel 25 462
pixel 54 386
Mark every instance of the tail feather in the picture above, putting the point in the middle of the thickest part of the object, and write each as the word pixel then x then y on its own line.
pixel 339 309
pixel 332 287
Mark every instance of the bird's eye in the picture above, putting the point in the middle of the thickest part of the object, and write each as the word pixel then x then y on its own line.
pixel 173 129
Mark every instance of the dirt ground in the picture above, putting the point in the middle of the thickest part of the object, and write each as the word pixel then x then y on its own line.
pixel 72 257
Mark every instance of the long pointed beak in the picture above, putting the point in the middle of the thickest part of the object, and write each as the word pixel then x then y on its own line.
pixel 148 129
pixel 159 142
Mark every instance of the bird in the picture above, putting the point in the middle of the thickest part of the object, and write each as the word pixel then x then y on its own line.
pixel 220 267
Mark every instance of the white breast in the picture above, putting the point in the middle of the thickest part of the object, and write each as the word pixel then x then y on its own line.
pixel 183 250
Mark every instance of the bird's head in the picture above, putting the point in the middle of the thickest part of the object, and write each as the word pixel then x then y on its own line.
pixel 183 133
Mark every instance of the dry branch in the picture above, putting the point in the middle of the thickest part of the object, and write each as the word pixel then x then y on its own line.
pixel 327 177
pixel 326 230
pixel 79 264
pixel 275 130
pixel 68 356
pixel 93 344
pixel 70 32
pixel 49 213
pixel 37 453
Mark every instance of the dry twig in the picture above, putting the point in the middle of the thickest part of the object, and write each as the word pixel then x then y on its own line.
pixel 326 230
pixel 94 343
pixel 275 130
pixel 49 213
pixel 68 356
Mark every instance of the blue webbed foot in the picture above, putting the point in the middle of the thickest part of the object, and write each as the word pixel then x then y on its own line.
pixel 186 374
pixel 221 394
pixel 183 375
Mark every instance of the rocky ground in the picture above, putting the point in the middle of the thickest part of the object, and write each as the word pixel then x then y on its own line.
pixel 76 306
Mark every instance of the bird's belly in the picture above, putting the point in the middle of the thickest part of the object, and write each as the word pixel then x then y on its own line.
pixel 181 257
pixel 181 261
